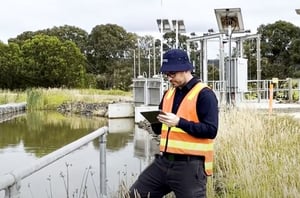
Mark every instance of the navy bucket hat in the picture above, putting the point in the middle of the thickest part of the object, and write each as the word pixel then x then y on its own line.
pixel 176 60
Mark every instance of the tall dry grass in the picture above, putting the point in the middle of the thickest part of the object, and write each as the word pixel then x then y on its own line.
pixel 256 155
pixel 7 96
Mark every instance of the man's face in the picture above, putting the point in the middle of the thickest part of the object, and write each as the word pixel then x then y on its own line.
pixel 177 79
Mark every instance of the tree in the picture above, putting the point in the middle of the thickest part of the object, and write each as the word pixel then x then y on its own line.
pixel 10 62
pixel 49 62
pixel 278 49
pixel 63 33
pixel 70 33
pixel 170 37
pixel 20 39
pixel 295 57
pixel 108 46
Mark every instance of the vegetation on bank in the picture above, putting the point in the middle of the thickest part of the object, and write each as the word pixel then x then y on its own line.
pixel 7 96
pixel 50 99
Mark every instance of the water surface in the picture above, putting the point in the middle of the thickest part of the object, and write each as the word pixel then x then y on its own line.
pixel 27 137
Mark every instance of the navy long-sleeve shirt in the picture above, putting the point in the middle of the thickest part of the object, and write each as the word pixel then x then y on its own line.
pixel 207 111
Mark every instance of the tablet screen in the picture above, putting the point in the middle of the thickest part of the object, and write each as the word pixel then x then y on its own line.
pixel 151 115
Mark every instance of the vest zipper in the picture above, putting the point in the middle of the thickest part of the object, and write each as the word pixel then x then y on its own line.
pixel 167 138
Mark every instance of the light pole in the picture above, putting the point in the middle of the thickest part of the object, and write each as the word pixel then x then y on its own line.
pixel 163 26
pixel 134 67
pixel 154 57
pixel 179 27
pixel 139 59
pixel 229 22
pixel 149 56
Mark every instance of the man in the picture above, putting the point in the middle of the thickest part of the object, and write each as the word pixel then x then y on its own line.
pixel 189 123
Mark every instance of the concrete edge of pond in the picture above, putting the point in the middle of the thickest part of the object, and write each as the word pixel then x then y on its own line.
pixel 12 108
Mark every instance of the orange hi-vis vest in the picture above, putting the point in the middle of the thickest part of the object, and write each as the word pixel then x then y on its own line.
pixel 175 140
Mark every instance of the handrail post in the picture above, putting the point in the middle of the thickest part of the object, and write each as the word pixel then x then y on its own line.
pixel 13 191
pixel 102 146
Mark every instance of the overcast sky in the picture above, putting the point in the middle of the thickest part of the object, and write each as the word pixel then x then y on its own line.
pixel 137 16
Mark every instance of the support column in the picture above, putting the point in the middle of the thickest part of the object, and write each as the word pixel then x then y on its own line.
pixel 103 176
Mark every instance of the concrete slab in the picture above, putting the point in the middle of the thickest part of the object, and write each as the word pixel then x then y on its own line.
pixel 121 110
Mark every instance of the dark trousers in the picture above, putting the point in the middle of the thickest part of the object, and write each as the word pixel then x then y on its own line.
pixel 186 179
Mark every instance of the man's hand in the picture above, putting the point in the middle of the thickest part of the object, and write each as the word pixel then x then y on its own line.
pixel 170 119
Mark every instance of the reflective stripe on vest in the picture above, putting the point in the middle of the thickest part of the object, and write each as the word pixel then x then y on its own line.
pixel 175 140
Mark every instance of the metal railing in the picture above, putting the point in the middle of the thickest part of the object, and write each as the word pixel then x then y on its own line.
pixel 11 182
pixel 283 89
pixel 259 90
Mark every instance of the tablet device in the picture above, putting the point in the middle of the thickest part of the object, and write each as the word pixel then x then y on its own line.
pixel 151 115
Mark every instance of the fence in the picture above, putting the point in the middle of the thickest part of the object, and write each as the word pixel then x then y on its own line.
pixel 287 90
pixel 11 182
pixel 148 91
pixel 284 90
